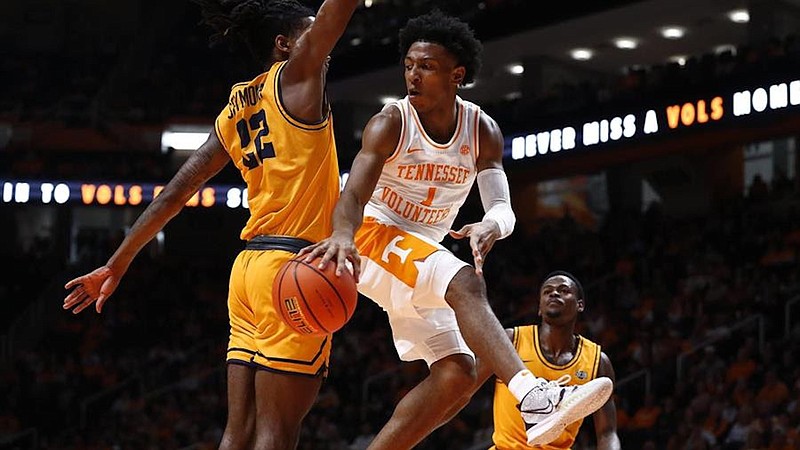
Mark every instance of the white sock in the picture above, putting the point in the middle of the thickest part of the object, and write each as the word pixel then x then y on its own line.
pixel 522 383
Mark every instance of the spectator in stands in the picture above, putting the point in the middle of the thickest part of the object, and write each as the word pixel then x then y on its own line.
pixel 773 394
pixel 742 368
pixel 740 430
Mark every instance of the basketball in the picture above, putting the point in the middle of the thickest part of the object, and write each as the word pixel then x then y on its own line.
pixel 313 301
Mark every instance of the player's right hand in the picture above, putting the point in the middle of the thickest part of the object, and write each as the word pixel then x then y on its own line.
pixel 482 236
pixel 337 248
pixel 94 287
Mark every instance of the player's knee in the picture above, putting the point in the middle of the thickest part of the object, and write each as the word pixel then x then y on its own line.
pixel 277 431
pixel 456 379
pixel 455 371
pixel 239 434
pixel 276 437
pixel 466 287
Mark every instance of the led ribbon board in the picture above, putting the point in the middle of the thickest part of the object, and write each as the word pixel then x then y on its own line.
pixel 742 104
pixel 116 194
pixel 111 194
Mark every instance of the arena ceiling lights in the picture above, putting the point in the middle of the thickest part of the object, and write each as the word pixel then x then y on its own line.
pixel 626 43
pixel 581 54
pixel 739 16
pixel 673 32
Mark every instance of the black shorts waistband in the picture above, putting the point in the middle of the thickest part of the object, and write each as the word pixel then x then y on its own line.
pixel 285 243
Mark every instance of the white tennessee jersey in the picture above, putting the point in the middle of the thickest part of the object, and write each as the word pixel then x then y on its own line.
pixel 423 184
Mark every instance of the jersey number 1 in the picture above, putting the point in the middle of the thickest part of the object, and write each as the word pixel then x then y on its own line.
pixel 264 150
pixel 429 199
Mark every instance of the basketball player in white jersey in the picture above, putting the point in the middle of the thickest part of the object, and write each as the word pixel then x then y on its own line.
pixel 419 159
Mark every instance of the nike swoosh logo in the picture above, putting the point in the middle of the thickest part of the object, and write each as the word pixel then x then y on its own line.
pixel 412 150
pixel 546 410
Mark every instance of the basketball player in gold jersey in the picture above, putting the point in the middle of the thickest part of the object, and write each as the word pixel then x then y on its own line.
pixel 419 159
pixel 554 351
pixel 277 130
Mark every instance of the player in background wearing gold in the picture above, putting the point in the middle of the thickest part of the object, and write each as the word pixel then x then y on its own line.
pixel 419 159
pixel 553 351
pixel 277 129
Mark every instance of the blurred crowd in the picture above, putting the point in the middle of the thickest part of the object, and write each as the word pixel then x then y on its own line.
pixel 181 79
pixel 173 88
pixel 690 310
pixel 699 314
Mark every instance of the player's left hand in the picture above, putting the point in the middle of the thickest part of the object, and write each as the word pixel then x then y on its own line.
pixel 94 287
pixel 482 236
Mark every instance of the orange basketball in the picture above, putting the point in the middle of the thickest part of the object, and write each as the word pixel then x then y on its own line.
pixel 314 301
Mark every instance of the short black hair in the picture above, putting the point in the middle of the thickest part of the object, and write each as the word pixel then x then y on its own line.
pixel 254 23
pixel 572 277
pixel 449 32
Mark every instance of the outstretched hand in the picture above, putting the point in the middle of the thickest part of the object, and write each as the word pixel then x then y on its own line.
pixel 94 287
pixel 482 236
pixel 336 249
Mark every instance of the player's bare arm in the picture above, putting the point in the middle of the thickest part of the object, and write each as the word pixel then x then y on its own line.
pixel 605 418
pixel 97 286
pixel 483 234
pixel 491 143
pixel 378 142
pixel 303 78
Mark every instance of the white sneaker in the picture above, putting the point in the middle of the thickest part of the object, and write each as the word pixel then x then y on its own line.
pixel 550 406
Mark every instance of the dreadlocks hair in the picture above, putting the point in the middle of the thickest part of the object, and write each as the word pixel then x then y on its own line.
pixel 254 23
pixel 449 32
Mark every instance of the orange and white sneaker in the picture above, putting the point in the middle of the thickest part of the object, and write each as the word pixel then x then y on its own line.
pixel 550 406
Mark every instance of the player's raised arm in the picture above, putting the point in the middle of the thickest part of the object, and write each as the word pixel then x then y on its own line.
pixel 302 80
pixel 314 46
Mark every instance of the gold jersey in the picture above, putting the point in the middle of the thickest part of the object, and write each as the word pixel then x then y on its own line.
pixel 509 429
pixel 290 167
